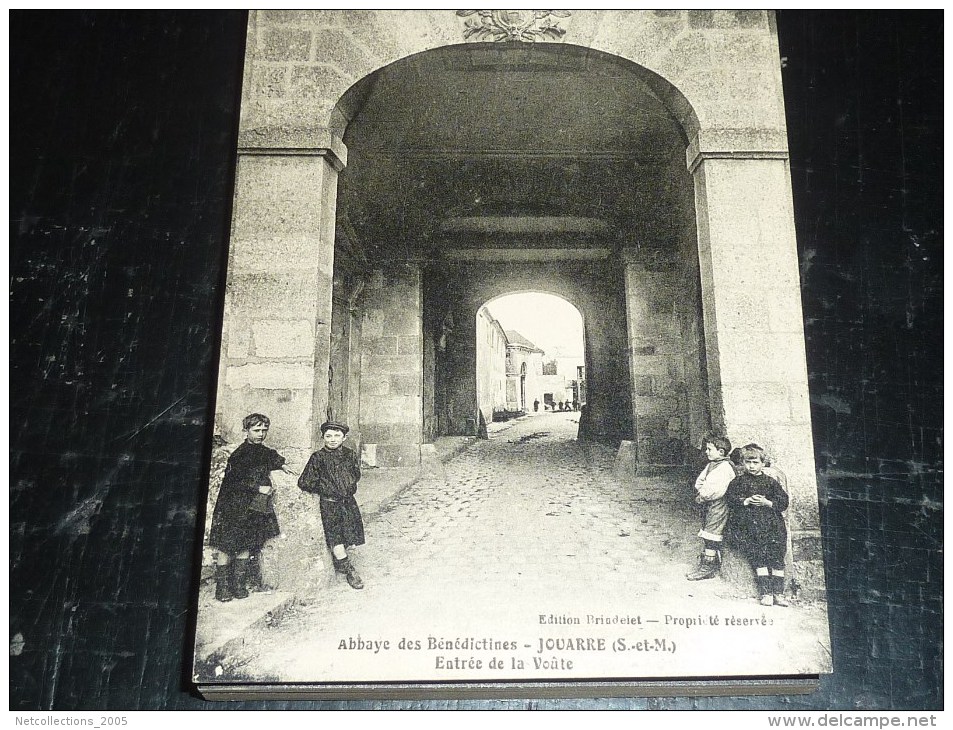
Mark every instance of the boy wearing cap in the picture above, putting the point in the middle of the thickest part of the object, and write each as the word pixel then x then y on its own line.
pixel 332 473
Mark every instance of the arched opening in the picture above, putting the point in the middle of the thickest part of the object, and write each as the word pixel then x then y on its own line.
pixel 481 169
pixel 530 356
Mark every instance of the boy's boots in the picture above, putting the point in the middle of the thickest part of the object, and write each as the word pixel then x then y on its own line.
pixel 345 566
pixel 253 579
pixel 707 567
pixel 223 591
pixel 777 589
pixel 239 568
pixel 764 589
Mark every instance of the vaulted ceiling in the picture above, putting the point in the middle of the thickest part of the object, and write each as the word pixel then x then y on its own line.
pixel 511 147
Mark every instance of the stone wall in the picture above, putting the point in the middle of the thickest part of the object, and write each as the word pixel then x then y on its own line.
pixel 392 367
pixel 491 365
pixel 657 347
pixel 723 63
pixel 278 297
pixel 344 370
pixel 754 332
pixel 715 70
pixel 523 367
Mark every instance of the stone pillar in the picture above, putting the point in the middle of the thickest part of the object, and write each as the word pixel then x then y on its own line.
pixel 656 373
pixel 754 336
pixel 462 390
pixel 276 329
pixel 392 366
pixel 608 415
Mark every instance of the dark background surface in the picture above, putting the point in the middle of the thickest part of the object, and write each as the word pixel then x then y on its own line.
pixel 123 135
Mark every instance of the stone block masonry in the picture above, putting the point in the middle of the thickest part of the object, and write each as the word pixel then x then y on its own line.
pixel 278 295
pixel 392 366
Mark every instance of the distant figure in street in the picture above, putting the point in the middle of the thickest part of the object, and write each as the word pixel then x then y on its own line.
pixel 710 488
pixel 244 516
pixel 536 406
pixel 575 405
pixel 332 473
pixel 560 405
pixel 757 524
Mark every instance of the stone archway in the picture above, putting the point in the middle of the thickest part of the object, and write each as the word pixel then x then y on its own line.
pixel 530 348
pixel 594 288
pixel 441 206
pixel 713 73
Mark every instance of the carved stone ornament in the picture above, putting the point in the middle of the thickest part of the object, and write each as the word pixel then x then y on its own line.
pixel 513 25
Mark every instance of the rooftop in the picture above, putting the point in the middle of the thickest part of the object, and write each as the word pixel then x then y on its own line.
pixel 516 339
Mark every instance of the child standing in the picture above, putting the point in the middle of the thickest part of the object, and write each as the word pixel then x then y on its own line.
pixel 710 487
pixel 757 501
pixel 244 517
pixel 333 473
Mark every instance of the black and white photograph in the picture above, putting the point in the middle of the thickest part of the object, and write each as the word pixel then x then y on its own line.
pixel 504 288
pixel 481 356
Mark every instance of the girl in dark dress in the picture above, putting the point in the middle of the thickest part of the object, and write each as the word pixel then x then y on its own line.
pixel 332 473
pixel 244 517
pixel 756 502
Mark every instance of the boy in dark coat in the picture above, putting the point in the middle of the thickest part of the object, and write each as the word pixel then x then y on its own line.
pixel 757 525
pixel 333 473
pixel 244 517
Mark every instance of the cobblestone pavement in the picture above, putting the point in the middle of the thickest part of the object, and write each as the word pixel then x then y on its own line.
pixel 525 534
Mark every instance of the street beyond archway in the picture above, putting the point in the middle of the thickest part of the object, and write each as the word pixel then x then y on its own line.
pixel 527 539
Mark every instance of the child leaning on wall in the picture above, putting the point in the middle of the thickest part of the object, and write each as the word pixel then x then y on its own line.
pixel 244 517
pixel 332 473
pixel 757 502
pixel 710 487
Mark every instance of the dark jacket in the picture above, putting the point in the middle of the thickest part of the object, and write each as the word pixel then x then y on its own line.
pixel 333 475
pixel 759 532
pixel 238 522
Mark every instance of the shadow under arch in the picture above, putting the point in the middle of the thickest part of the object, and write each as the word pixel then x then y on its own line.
pixel 352 100
pixel 480 169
